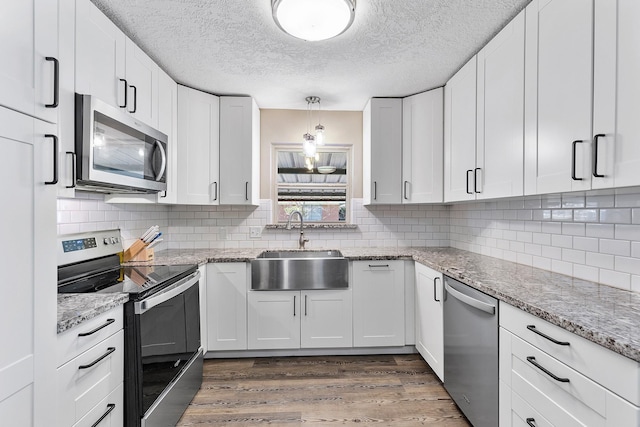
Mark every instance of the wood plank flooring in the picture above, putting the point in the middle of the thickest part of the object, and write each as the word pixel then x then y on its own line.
pixel 384 390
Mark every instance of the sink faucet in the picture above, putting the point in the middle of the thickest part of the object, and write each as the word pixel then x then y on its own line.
pixel 301 240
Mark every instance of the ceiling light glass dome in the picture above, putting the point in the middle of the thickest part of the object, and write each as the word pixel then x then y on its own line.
pixel 313 20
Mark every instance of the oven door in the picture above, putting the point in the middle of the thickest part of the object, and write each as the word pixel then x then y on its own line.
pixel 168 339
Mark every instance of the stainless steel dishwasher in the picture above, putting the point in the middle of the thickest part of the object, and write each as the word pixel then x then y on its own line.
pixel 471 352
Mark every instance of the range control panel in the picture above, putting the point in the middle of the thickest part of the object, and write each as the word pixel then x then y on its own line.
pixel 78 247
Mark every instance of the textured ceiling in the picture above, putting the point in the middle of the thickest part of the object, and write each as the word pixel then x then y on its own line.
pixel 394 47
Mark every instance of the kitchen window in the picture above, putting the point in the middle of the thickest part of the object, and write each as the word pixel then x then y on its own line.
pixel 318 187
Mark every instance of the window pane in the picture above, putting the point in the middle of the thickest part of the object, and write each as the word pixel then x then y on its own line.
pixel 313 211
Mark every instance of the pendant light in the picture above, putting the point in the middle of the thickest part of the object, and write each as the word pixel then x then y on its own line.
pixel 311 142
pixel 313 20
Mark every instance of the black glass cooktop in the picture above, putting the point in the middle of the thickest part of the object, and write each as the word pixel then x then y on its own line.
pixel 137 281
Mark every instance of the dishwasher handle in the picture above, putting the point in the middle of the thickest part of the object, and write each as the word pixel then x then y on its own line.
pixel 480 305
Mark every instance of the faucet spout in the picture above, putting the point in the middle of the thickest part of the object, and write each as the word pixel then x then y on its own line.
pixel 301 240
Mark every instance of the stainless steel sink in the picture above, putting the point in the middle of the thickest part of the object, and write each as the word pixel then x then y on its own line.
pixel 299 270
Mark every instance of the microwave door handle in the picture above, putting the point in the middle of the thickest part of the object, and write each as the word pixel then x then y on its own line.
pixel 163 166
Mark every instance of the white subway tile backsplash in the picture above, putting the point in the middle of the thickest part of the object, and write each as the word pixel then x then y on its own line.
pixel 627 232
pixel 573 229
pixel 627 265
pixel 615 247
pixel 615 216
pixel 561 241
pixel 616 279
pixel 603 231
pixel 588 244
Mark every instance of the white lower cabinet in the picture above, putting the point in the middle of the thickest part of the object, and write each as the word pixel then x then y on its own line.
pixel 299 319
pixel 91 372
pixel 226 302
pixel 429 318
pixel 378 303
pixel 551 377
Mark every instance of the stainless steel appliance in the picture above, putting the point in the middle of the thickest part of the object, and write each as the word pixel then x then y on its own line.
pixel 163 355
pixel 115 152
pixel 471 352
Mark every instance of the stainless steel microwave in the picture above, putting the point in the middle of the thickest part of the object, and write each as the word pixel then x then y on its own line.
pixel 117 153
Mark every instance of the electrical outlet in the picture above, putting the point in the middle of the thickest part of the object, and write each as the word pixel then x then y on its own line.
pixel 255 232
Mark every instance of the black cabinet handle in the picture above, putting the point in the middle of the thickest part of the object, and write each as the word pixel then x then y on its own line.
pixel 435 298
pixel 294 306
pixel 379 265
pixel 595 155
pixel 468 192
pixel 110 407
pixel 533 329
pixel 126 90
pixel 55 159
pixel 532 360
pixel 246 190
pixel 135 99
pixel 305 305
pixel 73 169
pixel 405 190
pixel 375 190
pixel 56 82
pixel 215 192
pixel 531 422
pixel 108 352
pixel 104 325
pixel 573 160
pixel 475 180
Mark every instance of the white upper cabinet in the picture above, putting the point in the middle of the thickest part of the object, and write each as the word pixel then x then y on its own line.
pixel 558 95
pixel 100 56
pixel 500 114
pixel 382 151
pixel 460 134
pixel 616 127
pixel 422 147
pixel 239 151
pixel 142 78
pixel 198 139
pixel 29 48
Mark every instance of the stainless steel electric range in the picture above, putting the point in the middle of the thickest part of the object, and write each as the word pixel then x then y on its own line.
pixel 163 355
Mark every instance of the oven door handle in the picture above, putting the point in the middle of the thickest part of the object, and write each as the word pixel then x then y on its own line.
pixel 173 290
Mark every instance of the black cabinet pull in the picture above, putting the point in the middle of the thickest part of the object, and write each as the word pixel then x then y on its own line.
pixel 110 407
pixel 294 306
pixel 573 160
pixel 468 192
pixel 475 180
pixel 531 422
pixel 246 190
pixel 532 360
pixel 305 305
pixel 595 155
pixel 435 298
pixel 379 265
pixel 55 159
pixel 405 190
pixel 104 325
pixel 56 82
pixel 215 192
pixel 126 90
pixel 375 190
pixel 533 329
pixel 108 352
pixel 73 169
pixel 135 99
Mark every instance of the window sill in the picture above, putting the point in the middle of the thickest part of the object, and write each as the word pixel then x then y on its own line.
pixel 317 226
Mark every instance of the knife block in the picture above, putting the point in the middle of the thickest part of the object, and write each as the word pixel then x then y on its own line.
pixel 132 252
pixel 144 255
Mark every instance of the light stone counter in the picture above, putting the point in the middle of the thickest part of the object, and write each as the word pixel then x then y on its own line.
pixel 602 314
pixel 73 309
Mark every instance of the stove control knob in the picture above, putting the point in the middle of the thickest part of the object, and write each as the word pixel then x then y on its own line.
pixel 112 240
pixel 106 240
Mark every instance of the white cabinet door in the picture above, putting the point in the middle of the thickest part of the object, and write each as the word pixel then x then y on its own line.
pixel 29 37
pixel 226 310
pixel 378 303
pixel 168 124
pixel 273 319
pixel 142 78
pixel 239 151
pixel 28 317
pixel 616 92
pixel 382 151
pixel 198 138
pixel 460 134
pixel 326 319
pixel 500 108
pixel 100 56
pixel 429 320
pixel 422 147
pixel 558 95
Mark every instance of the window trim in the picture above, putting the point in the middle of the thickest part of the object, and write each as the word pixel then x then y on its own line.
pixel 344 148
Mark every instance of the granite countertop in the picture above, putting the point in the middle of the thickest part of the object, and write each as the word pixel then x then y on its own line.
pixel 602 314
pixel 73 309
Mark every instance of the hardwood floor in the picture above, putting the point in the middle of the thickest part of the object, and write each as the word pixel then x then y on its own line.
pixel 384 390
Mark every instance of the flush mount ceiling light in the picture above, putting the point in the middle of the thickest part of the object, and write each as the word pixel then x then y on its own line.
pixel 313 20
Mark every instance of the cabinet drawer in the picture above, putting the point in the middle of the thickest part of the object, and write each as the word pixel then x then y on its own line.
pixel 611 370
pixel 87 379
pixel 111 407
pixel 73 342
pixel 522 413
